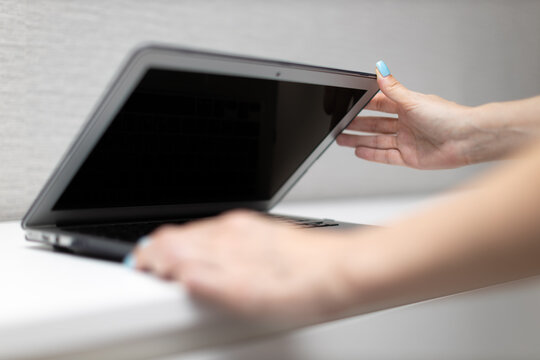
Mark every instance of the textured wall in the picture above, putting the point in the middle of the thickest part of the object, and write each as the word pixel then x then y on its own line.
pixel 56 57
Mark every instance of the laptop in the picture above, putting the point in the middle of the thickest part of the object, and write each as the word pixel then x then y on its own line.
pixel 183 134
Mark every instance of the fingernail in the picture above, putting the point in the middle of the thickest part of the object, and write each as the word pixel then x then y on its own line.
pixel 383 69
pixel 129 261
pixel 143 242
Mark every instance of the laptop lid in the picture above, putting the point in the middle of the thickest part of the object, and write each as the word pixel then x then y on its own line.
pixel 184 133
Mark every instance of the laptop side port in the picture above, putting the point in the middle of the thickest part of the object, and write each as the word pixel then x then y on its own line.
pixel 33 235
pixel 49 238
pixel 65 241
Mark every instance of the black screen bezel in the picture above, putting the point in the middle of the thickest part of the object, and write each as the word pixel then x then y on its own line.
pixel 41 213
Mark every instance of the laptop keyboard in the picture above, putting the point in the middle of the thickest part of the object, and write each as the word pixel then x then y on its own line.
pixel 304 222
pixel 133 231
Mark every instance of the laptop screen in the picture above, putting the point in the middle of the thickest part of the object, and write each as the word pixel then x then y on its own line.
pixel 188 137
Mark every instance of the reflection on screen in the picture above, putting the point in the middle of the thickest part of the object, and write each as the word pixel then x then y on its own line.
pixel 184 137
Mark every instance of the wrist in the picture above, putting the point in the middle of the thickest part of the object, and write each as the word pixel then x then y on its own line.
pixel 368 269
pixel 479 142
pixel 385 269
pixel 496 129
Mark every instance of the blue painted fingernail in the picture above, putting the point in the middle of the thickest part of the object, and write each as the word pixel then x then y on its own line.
pixel 143 242
pixel 383 69
pixel 129 261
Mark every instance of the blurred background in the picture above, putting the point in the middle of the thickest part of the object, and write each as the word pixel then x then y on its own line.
pixel 57 57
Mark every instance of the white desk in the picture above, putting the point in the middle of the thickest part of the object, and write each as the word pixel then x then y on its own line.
pixel 54 305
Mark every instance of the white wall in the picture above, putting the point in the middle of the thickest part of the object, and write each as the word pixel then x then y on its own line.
pixel 56 57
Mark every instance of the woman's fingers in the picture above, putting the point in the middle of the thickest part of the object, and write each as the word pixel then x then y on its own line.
pixel 170 246
pixel 148 257
pixel 374 124
pixel 374 142
pixel 378 148
pixel 387 156
pixel 389 85
pixel 382 103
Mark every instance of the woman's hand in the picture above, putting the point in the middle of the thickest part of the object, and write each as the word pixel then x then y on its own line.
pixel 256 266
pixel 428 133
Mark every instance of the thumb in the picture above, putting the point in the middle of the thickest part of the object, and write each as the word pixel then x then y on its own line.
pixel 389 85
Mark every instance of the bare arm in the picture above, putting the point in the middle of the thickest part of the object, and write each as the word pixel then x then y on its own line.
pixel 500 128
pixel 483 236
pixel 257 267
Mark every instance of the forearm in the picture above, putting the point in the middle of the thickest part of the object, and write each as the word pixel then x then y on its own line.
pixel 484 236
pixel 499 128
